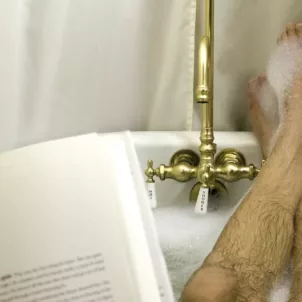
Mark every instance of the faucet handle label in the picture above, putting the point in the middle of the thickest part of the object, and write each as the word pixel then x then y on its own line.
pixel 152 195
pixel 201 206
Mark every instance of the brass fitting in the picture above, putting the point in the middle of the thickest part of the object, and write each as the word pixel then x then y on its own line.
pixel 229 165
pixel 183 167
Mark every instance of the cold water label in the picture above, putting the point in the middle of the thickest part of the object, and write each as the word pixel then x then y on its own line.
pixel 152 195
pixel 201 206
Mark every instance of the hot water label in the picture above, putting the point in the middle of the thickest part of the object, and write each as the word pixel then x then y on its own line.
pixel 152 195
pixel 201 206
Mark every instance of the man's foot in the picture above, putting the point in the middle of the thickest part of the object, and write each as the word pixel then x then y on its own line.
pixel 263 105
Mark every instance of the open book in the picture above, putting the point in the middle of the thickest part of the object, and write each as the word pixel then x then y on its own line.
pixel 76 225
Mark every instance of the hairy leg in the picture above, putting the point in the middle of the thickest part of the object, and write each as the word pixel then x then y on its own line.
pixel 296 290
pixel 264 130
pixel 256 244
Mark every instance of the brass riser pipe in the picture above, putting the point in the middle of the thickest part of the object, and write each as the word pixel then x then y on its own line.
pixel 204 93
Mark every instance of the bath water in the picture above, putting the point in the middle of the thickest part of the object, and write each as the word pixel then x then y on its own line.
pixel 187 238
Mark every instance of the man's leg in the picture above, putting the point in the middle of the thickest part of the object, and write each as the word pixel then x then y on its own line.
pixel 263 130
pixel 256 244
pixel 296 290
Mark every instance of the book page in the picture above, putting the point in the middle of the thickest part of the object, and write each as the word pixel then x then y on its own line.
pixel 159 264
pixel 62 231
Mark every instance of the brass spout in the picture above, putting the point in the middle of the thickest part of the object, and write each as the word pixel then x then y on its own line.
pixel 203 92
pixel 204 87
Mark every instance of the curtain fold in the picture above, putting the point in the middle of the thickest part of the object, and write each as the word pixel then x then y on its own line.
pixel 70 67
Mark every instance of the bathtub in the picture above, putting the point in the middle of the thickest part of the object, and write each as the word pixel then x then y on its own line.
pixel 187 238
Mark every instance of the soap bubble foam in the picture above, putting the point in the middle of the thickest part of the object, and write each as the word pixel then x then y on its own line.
pixel 186 240
pixel 284 66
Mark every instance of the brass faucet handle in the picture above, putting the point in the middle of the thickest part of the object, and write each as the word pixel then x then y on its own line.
pixel 160 172
pixel 183 167
pixel 150 172
pixel 254 171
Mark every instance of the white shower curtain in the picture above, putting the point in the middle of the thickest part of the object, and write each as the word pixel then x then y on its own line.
pixel 74 66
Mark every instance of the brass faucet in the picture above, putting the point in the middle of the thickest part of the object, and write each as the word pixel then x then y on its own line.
pixel 229 165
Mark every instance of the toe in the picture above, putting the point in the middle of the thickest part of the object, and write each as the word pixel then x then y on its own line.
pixel 291 30
pixel 299 30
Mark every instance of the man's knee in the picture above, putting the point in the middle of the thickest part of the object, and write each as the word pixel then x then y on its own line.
pixel 210 284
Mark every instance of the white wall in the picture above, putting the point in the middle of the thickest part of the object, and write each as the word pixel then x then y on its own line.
pixel 75 66
pixel 82 68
